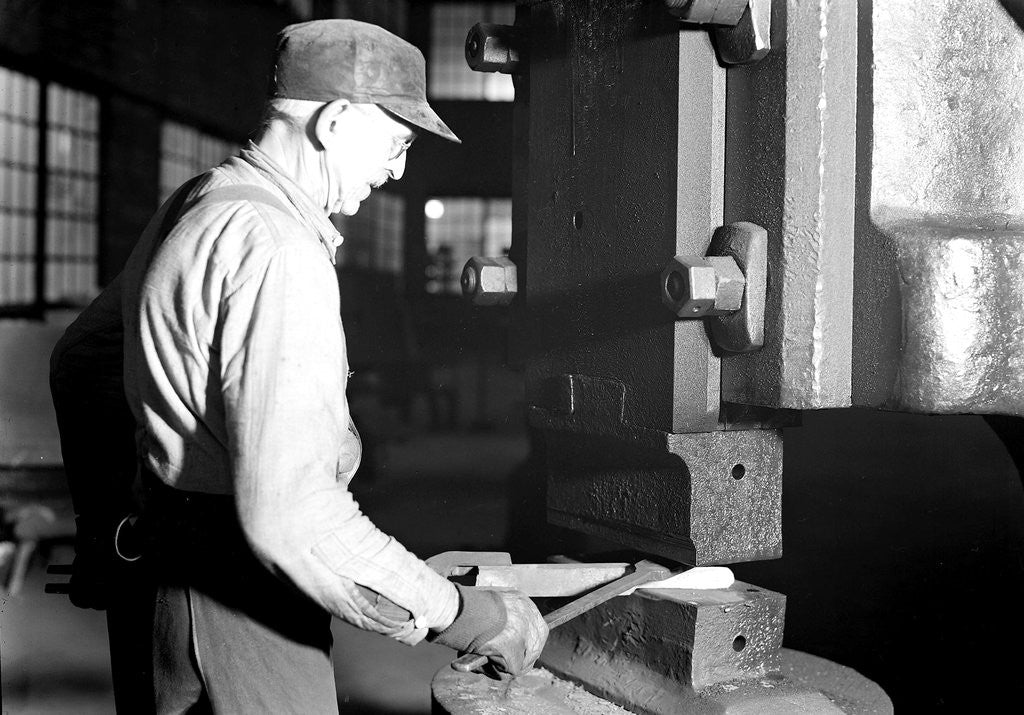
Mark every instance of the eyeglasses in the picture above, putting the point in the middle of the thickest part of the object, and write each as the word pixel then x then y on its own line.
pixel 399 147
pixel 402 136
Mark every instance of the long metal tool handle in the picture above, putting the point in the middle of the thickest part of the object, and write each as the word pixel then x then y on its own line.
pixel 643 572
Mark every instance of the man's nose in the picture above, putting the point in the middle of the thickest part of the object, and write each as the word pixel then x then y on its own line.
pixel 396 167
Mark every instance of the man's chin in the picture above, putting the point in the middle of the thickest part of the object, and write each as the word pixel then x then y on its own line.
pixel 348 207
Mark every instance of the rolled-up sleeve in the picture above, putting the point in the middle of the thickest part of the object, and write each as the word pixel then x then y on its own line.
pixel 283 371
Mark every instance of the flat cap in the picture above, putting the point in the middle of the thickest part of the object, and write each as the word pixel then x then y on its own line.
pixel 324 60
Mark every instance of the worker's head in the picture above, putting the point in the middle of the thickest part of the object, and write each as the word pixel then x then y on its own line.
pixel 358 94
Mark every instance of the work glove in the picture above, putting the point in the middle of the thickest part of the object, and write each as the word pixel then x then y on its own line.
pixel 503 625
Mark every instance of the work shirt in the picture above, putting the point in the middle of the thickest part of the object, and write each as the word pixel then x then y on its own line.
pixel 236 368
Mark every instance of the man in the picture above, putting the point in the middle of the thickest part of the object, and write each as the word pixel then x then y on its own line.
pixel 235 371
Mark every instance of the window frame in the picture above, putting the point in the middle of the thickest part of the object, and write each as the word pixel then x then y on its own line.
pixel 206 145
pixel 37 308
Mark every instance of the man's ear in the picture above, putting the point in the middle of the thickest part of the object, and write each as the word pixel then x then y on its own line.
pixel 328 121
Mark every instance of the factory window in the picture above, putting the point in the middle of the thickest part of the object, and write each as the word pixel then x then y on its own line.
pixel 61 269
pixel 459 228
pixel 19 136
pixel 449 77
pixel 72 196
pixel 186 152
pixel 374 236
pixel 390 14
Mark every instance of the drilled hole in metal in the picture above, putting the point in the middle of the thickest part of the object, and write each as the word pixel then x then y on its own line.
pixel 738 471
pixel 577 220
pixel 739 643
pixel 675 285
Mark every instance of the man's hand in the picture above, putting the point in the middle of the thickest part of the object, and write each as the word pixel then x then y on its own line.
pixel 517 646
pixel 503 625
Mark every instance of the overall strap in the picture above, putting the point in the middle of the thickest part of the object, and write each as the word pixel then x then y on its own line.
pixel 233 192
pixel 244 192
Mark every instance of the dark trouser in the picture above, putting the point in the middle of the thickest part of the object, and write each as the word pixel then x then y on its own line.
pixel 228 636
pixel 129 625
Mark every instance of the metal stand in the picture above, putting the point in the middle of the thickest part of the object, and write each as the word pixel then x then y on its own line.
pixel 804 684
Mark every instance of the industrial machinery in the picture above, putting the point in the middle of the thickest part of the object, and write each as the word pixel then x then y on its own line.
pixel 704 191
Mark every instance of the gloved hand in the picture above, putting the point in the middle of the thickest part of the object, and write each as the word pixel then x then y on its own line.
pixel 503 625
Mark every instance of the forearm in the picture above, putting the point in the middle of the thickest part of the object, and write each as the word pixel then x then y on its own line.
pixel 317 538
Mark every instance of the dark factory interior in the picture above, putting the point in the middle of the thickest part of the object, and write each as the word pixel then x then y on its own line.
pixel 563 416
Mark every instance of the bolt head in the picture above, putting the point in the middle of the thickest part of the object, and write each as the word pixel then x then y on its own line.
pixel 688 286
pixel 489 281
pixel 493 47
pixel 729 286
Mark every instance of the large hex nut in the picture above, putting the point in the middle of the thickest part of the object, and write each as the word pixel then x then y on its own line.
pixel 692 286
pixel 489 281
pixel 492 48
pixel 688 286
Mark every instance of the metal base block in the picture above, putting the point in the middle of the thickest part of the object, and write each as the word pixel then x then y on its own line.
pixel 703 499
pixel 659 645
pixel 804 684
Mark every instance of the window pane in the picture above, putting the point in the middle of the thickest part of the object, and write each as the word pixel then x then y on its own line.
pixel 498 228
pixel 24 279
pixel 186 152
pixel 390 240
pixel 71 195
pixel 19 112
pixel 374 237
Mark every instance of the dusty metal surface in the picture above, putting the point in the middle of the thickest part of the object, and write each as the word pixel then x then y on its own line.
pixel 710 498
pixel 538 692
pixel 961 302
pixel 705 498
pixel 630 648
pixel 626 158
pixel 804 685
pixel 940 225
pixel 845 688
pixel 790 166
